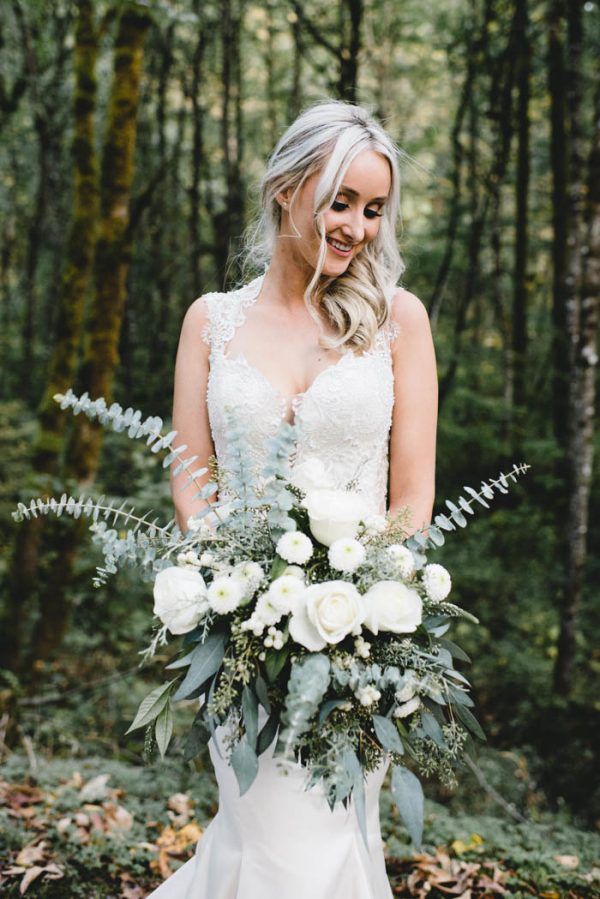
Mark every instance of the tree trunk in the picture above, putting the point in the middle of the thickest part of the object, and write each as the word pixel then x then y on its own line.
pixel 519 308
pixel 350 51
pixel 579 432
pixel 197 154
pixel 113 251
pixel 558 165
pixel 110 270
pixel 24 574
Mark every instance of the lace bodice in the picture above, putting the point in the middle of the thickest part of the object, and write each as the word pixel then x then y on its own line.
pixel 344 417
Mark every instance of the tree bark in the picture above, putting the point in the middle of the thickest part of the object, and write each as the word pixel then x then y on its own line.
pixel 581 333
pixel 110 270
pixel 24 573
pixel 517 375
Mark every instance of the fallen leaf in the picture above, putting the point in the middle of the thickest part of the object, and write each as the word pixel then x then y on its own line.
pixel 29 855
pixel 117 817
pixel 95 789
pixel 567 861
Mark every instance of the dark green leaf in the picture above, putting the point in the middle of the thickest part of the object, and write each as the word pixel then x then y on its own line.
pixel 387 734
pixel 268 733
pixel 432 728
pixel 328 707
pixel 469 720
pixel 263 693
pixel 206 660
pixel 275 662
pixel 455 650
pixel 151 707
pixel 250 714
pixel 163 728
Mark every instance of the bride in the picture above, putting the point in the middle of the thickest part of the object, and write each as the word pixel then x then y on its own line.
pixel 326 340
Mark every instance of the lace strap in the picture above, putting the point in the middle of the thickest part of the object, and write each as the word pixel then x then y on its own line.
pixel 225 312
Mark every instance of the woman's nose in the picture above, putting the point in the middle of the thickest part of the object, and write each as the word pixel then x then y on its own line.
pixel 354 226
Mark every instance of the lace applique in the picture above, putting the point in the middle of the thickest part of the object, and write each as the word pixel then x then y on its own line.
pixel 344 417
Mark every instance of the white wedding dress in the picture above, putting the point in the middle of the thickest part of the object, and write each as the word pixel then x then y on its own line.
pixel 279 840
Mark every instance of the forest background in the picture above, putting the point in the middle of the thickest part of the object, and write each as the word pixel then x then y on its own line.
pixel 133 137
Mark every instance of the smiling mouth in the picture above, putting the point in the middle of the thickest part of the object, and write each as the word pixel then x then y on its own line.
pixel 343 249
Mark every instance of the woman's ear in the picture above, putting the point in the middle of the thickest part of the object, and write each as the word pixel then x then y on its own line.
pixel 283 198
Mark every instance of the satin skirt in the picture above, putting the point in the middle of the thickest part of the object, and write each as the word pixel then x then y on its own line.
pixel 282 841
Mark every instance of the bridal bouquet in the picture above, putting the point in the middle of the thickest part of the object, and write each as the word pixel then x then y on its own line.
pixel 308 626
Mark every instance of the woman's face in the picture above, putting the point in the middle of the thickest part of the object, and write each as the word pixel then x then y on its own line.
pixel 350 223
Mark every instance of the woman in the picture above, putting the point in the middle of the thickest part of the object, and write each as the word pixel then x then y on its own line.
pixel 324 339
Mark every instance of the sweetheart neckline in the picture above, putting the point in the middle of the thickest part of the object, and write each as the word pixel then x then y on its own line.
pixel 287 398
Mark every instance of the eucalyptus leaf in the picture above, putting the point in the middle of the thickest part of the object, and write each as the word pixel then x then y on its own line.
pixel 407 793
pixel 275 662
pixel 250 714
pixel 328 707
pixel 206 661
pixel 268 733
pixel 432 728
pixel 262 692
pixel 244 762
pixel 151 707
pixel 469 720
pixel 163 728
pixel 456 651
pixel 387 734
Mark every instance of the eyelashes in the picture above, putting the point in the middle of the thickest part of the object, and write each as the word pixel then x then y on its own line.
pixel 338 206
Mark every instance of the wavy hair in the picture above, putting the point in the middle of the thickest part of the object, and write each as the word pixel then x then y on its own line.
pixel 326 138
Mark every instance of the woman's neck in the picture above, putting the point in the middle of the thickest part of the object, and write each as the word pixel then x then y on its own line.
pixel 286 280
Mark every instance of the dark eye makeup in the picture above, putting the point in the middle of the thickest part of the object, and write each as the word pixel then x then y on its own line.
pixel 338 206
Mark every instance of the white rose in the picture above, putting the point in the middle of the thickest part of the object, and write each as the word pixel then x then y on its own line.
pixel 346 554
pixel 392 606
pixel 437 582
pixel 326 613
pixel 333 514
pixel 180 599
pixel 225 594
pixel 294 547
pixel 310 475
pixel 402 558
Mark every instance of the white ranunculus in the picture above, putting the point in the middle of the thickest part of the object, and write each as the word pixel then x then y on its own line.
pixel 295 547
pixel 180 599
pixel 225 595
pixel 402 558
pixel 294 571
pixel 285 592
pixel 310 475
pixel 392 606
pixel 248 575
pixel 266 610
pixel 346 554
pixel 333 514
pixel 326 613
pixel 437 582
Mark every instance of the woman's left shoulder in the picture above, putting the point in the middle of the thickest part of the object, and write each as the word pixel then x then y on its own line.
pixel 408 312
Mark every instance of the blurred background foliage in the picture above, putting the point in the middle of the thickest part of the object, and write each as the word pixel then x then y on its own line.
pixel 133 138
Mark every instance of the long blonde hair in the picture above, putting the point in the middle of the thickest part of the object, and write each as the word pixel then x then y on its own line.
pixel 326 138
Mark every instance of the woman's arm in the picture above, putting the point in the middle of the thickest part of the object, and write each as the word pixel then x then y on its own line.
pixel 414 420
pixel 190 415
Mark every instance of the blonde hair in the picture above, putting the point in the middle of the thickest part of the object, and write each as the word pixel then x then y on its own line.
pixel 326 138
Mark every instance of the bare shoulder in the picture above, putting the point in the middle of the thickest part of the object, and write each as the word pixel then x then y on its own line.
pixel 409 313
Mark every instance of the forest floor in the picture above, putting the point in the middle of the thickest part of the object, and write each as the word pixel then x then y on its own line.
pixel 100 829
